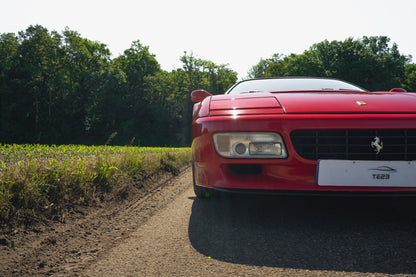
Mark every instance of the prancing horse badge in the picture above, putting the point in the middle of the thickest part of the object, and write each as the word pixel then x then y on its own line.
pixel 377 144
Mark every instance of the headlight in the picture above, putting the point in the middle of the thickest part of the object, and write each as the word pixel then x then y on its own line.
pixel 250 145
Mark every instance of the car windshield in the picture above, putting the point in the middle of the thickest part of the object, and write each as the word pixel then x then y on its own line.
pixel 291 84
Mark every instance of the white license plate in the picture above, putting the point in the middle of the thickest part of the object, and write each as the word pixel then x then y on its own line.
pixel 366 173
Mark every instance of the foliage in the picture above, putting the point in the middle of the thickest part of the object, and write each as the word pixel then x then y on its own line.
pixel 65 89
pixel 61 88
pixel 368 62
pixel 409 82
pixel 169 93
pixel 35 178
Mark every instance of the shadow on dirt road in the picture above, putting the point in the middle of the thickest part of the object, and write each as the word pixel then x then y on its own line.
pixel 373 235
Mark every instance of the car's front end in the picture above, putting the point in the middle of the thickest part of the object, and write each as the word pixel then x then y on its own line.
pixel 306 141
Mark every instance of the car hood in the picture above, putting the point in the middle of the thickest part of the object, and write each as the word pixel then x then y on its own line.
pixel 313 102
pixel 347 102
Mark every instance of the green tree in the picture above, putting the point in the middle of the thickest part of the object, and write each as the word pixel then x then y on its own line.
pixel 49 82
pixel 170 92
pixel 166 93
pixel 369 62
pixel 9 45
pixel 32 79
pixel 263 67
pixel 409 82
pixel 63 88
pixel 202 74
pixel 120 105
pixel 84 65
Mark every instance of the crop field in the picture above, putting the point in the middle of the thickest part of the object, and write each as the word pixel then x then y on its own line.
pixel 41 180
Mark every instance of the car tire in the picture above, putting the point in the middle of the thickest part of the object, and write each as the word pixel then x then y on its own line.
pixel 200 192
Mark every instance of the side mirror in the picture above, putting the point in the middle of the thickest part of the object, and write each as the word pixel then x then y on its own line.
pixel 398 90
pixel 199 95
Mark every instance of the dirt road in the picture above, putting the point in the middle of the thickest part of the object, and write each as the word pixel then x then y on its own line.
pixel 170 233
pixel 264 236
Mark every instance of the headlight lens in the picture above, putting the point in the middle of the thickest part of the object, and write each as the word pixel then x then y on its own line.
pixel 250 145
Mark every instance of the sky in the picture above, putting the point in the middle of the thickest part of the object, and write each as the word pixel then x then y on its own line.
pixel 234 32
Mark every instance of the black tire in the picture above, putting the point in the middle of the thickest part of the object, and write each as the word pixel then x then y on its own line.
pixel 200 192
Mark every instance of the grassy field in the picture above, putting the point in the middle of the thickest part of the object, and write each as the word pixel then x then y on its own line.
pixel 40 180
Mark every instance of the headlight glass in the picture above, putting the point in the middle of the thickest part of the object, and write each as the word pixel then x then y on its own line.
pixel 250 145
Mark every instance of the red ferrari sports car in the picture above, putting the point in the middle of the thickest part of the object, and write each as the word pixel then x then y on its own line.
pixel 304 135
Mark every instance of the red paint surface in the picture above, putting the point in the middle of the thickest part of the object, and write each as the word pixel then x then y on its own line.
pixel 282 113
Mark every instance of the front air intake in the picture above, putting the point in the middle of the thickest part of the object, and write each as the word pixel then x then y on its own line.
pixel 352 144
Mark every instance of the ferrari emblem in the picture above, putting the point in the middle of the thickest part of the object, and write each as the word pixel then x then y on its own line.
pixel 377 145
pixel 361 103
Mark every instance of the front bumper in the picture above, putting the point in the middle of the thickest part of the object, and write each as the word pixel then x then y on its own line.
pixel 294 174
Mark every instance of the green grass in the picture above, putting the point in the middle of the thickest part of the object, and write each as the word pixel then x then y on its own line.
pixel 40 180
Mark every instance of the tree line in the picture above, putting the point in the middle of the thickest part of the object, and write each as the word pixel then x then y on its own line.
pixel 368 62
pixel 61 88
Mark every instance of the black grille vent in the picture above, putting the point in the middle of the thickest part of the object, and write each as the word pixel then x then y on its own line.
pixel 398 145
